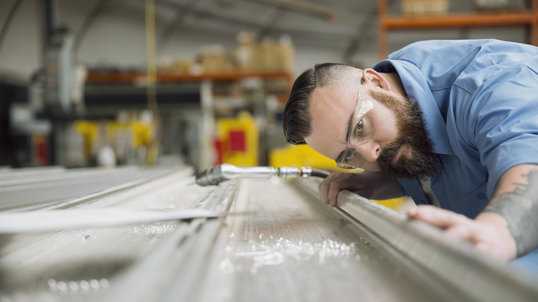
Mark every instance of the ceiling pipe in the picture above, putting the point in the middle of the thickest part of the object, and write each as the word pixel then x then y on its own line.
pixel 317 10
pixel 7 22
pixel 176 22
pixel 97 9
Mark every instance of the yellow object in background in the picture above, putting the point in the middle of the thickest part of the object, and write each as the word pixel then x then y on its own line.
pixel 301 156
pixel 123 137
pixel 89 132
pixel 142 134
pixel 237 140
pixel 305 156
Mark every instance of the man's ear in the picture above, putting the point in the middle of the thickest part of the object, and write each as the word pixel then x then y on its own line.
pixel 375 79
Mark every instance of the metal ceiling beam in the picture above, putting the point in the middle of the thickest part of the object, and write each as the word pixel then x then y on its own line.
pixel 201 13
pixel 269 27
pixel 90 19
pixel 176 22
pixel 302 7
pixel 7 22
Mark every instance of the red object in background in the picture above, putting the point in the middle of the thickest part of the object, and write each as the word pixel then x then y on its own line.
pixel 41 148
pixel 234 143
pixel 237 141
pixel 218 151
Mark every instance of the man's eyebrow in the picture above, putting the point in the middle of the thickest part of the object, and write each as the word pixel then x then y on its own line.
pixel 349 125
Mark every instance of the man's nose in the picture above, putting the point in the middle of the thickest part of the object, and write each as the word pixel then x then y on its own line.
pixel 369 150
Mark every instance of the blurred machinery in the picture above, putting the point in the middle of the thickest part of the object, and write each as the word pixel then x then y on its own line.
pixel 63 83
pixel 68 116
pixel 186 127
pixel 53 96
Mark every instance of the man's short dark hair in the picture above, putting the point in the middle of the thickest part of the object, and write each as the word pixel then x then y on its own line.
pixel 296 118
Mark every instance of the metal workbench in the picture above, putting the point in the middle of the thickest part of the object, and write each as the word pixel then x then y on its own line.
pixel 281 243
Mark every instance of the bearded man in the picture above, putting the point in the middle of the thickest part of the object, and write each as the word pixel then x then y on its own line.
pixel 453 124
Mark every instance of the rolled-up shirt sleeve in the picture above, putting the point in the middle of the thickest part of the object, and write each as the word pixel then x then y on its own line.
pixel 503 122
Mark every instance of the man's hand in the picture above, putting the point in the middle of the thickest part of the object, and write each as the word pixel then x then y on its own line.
pixel 330 186
pixel 488 233
pixel 367 184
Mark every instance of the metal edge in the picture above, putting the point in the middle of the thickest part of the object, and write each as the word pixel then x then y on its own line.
pixel 427 247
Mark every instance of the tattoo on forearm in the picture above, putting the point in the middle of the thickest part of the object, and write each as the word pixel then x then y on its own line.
pixel 520 209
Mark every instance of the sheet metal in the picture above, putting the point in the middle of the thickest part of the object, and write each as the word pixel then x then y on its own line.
pixel 37 187
pixel 282 244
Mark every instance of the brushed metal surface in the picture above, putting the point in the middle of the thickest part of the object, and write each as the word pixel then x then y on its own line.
pixel 281 243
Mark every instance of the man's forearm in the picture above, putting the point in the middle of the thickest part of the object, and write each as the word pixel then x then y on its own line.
pixel 516 200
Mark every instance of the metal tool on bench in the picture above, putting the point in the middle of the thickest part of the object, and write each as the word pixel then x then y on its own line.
pixel 224 172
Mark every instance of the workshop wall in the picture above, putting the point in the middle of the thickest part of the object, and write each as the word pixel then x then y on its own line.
pixel 116 35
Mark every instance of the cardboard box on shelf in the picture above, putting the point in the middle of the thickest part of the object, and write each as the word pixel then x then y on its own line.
pixel 424 7
pixel 247 57
pixel 179 65
pixel 277 55
pixel 214 58
pixel 247 52
pixel 270 55
pixel 217 62
pixel 499 5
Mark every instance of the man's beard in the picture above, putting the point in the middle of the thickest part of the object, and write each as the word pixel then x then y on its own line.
pixel 421 163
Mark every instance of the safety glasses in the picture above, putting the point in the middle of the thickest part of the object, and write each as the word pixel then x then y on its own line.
pixel 350 158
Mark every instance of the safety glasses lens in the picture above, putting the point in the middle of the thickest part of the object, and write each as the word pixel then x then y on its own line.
pixel 345 159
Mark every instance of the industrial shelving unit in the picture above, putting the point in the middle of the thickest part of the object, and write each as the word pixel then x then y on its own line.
pixel 96 78
pixel 126 77
pixel 526 18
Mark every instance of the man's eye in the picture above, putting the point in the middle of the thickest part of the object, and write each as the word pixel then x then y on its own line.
pixel 358 128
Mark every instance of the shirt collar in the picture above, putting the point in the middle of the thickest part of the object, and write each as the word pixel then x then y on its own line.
pixel 416 87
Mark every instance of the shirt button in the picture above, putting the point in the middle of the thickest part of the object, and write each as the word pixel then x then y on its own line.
pixel 481 196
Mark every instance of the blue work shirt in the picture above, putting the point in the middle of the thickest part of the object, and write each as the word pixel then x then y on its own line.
pixel 480 104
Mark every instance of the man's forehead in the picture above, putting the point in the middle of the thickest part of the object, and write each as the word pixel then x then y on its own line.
pixel 330 113
pixel 330 96
pixel 326 105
